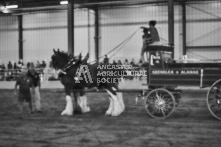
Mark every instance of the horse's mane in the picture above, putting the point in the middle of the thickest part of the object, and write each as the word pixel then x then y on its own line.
pixel 64 54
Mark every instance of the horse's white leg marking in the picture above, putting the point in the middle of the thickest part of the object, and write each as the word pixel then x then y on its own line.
pixel 115 111
pixel 87 107
pixel 84 105
pixel 69 106
pixel 120 107
pixel 110 109
pixel 121 101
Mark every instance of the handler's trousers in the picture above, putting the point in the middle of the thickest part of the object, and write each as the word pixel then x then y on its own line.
pixel 37 99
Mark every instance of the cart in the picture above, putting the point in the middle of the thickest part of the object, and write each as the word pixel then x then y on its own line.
pixel 165 74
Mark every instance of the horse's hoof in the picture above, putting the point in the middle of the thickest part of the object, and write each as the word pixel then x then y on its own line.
pixel 122 109
pixel 66 113
pixel 115 114
pixel 107 113
pixel 87 109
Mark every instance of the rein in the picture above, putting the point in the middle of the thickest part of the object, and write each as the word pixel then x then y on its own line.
pixel 119 46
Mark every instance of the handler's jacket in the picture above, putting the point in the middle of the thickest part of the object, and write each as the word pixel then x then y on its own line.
pixel 24 83
pixel 35 77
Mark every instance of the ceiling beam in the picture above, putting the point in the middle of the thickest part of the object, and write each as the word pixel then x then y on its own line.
pixel 40 5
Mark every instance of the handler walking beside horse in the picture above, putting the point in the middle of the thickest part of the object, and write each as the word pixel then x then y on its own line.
pixel 36 92
pixel 24 93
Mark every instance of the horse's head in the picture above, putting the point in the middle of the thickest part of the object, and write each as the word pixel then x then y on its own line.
pixel 67 63
pixel 59 59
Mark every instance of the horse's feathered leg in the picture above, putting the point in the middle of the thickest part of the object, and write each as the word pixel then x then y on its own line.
pixel 116 107
pixel 83 99
pixel 121 101
pixel 110 108
pixel 69 106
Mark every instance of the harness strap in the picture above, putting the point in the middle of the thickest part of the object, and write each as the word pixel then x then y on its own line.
pixel 68 65
pixel 63 72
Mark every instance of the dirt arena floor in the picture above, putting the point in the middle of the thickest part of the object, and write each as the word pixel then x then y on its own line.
pixel 191 124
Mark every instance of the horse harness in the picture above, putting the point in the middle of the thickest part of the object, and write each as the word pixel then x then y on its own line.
pixel 70 64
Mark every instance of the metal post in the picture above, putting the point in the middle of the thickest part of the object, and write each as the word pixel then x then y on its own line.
pixel 70 27
pixel 184 26
pixel 171 22
pixel 88 29
pixel 97 34
pixel 20 37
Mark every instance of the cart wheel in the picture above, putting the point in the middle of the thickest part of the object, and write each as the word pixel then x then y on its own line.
pixel 214 99
pixel 160 103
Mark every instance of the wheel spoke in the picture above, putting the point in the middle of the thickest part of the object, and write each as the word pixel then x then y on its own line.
pixel 163 113
pixel 157 95
pixel 160 103
pixel 214 99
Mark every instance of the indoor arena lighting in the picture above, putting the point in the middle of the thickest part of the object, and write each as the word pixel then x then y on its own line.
pixel 64 2
pixel 5 11
pixel 11 6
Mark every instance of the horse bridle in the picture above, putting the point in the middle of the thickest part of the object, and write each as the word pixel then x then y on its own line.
pixel 70 63
pixel 67 66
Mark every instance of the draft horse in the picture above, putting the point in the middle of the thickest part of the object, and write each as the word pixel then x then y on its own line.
pixel 76 75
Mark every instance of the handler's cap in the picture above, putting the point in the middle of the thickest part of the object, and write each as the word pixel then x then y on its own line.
pixel 153 22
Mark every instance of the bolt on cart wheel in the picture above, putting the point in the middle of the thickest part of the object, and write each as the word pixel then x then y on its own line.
pixel 214 99
pixel 160 103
